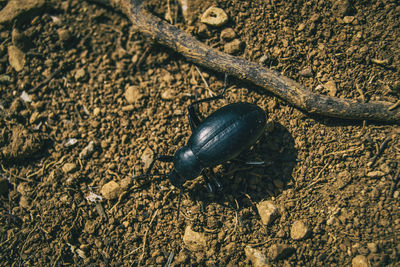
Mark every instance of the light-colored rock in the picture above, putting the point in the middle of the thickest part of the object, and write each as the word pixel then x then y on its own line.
pixel 299 230
pixel 168 94
pixel 214 16
pixel 332 221
pixel 24 202
pixel 343 178
pixel 331 87
pixel 360 261
pixel 194 241
pixel 87 151
pixel 26 97
pixel 340 8
pixel 64 35
pixel 280 251
pixel 263 59
pixel 34 117
pixel 96 111
pixel 16 58
pixel 147 157
pixel 348 19
pixel 228 34
pixel 257 258
pixel 233 47
pixel 133 94
pixel 373 174
pixel 125 183
pixel 267 211
pixel 69 167
pixel 110 190
pixel 306 72
pixel 373 247
pixel 301 27
pixel 80 74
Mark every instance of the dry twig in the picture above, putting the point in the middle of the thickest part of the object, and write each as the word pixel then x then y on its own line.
pixel 283 87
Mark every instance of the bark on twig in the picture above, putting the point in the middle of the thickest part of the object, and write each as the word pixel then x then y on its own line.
pixel 283 87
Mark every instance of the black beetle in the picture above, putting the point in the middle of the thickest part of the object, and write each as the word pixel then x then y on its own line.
pixel 220 137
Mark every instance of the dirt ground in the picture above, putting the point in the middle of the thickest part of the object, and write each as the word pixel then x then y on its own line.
pixel 110 100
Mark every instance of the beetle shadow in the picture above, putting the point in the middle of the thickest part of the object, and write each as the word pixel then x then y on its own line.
pixel 272 160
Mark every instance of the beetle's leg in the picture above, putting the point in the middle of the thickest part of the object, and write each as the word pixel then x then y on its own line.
pixel 163 158
pixel 220 188
pixel 194 119
pixel 208 183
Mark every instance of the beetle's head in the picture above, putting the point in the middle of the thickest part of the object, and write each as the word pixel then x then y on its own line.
pixel 175 179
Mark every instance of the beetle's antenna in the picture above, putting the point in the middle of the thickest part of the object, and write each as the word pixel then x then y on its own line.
pixel 179 204
pixel 225 84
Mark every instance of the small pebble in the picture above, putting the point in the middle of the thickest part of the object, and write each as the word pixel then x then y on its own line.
pixel 331 87
pixel 331 221
pixel 301 27
pixel 110 190
pixel 125 183
pixel 228 34
pixel 147 157
pixel 360 261
pixel 80 75
pixel 26 97
pixel 267 211
pixel 373 174
pixel 257 258
pixel 343 178
pixel 168 94
pixel 340 8
pixel 306 72
pixel 64 35
pixel 160 260
pixel 5 79
pixel 194 241
pixel 202 31
pixel 16 58
pixel 373 247
pixel 233 47
pixel 69 167
pixel 315 18
pixel 348 19
pixel 96 111
pixel 281 233
pixel 214 16
pixel 71 142
pixel 87 151
pixel 263 59
pixel 128 108
pixel 24 202
pixel 299 230
pixel 34 117
pixel 280 251
pixel 133 94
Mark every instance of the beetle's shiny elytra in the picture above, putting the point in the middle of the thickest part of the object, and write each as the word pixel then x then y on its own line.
pixel 220 137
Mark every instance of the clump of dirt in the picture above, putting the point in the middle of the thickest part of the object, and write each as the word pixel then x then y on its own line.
pixel 20 144
pixel 333 185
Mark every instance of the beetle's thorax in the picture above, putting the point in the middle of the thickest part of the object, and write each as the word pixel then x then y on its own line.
pixel 186 164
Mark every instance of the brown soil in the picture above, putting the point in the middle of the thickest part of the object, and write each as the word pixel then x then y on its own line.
pixel 324 172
